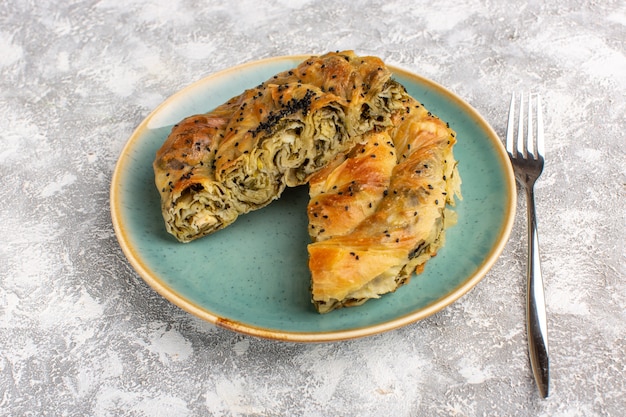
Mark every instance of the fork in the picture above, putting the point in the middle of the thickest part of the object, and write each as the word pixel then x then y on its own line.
pixel 527 158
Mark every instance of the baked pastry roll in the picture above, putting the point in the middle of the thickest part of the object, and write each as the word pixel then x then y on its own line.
pixel 372 233
pixel 241 155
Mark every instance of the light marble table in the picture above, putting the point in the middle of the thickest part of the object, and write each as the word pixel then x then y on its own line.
pixel 82 334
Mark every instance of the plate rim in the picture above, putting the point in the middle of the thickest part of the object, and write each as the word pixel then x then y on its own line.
pixel 324 336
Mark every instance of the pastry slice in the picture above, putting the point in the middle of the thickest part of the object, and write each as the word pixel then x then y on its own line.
pixel 241 155
pixel 378 250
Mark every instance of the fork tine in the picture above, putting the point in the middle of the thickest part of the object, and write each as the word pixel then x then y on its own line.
pixel 530 143
pixel 540 143
pixel 510 129
pixel 520 128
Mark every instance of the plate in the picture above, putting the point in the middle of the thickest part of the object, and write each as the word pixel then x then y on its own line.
pixel 252 277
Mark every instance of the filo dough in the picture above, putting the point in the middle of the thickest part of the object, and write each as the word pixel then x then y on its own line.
pixel 241 155
pixel 377 214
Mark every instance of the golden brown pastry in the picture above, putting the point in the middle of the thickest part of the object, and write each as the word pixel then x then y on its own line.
pixel 349 189
pixel 370 236
pixel 240 156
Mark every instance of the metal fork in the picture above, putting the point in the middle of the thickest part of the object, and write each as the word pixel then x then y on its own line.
pixel 527 158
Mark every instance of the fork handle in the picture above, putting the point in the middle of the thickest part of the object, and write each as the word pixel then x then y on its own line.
pixel 535 305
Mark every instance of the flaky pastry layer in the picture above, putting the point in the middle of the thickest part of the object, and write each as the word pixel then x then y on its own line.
pixel 377 215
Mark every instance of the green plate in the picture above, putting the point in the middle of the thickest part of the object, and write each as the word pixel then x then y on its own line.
pixel 252 277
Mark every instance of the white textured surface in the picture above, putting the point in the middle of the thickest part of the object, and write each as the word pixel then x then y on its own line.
pixel 82 334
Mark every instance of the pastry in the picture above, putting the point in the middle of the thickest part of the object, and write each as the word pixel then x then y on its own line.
pixel 380 170
pixel 374 225
pixel 346 191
